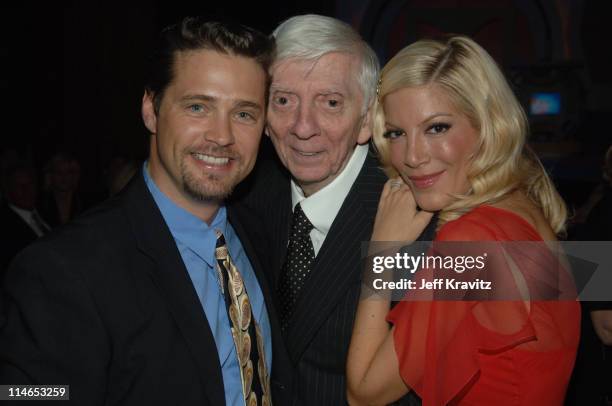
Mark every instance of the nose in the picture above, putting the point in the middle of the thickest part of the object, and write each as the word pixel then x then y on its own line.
pixel 220 131
pixel 305 124
pixel 417 151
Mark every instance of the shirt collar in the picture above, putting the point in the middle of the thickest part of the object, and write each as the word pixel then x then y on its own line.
pixel 24 213
pixel 190 230
pixel 322 207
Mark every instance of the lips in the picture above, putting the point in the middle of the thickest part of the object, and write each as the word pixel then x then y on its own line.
pixel 306 157
pixel 211 160
pixel 425 181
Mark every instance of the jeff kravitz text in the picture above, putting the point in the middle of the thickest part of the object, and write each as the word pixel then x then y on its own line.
pixel 436 284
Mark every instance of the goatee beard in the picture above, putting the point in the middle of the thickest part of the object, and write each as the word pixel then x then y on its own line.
pixel 197 193
pixel 209 189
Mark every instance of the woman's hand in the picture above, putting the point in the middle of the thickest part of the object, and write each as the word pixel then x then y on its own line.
pixel 398 218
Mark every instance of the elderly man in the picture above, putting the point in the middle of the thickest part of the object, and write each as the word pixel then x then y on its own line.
pixel 319 120
pixel 156 297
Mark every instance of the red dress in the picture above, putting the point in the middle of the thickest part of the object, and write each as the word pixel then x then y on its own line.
pixel 487 353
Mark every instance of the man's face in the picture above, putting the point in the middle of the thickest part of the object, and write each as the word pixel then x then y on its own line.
pixel 65 175
pixel 207 131
pixel 316 117
pixel 22 191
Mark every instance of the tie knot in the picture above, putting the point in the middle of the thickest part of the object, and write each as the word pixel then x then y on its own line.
pixel 301 225
pixel 221 247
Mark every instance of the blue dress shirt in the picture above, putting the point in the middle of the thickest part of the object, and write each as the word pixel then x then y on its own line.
pixel 196 242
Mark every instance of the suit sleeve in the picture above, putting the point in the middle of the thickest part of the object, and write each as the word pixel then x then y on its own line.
pixel 50 329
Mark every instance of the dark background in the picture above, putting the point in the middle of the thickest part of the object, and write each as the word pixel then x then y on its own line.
pixel 71 76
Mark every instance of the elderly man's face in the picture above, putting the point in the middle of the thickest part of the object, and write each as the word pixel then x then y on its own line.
pixel 316 117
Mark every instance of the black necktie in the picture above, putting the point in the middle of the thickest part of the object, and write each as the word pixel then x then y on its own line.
pixel 245 330
pixel 300 256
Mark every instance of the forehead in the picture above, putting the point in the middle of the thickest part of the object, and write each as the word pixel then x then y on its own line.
pixel 418 102
pixel 334 71
pixel 217 74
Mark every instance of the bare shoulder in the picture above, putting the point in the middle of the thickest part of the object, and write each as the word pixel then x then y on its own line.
pixel 521 205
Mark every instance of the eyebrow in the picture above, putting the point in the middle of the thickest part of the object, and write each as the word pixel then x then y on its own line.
pixel 248 104
pixel 278 88
pixel 199 97
pixel 429 118
pixel 435 115
pixel 327 91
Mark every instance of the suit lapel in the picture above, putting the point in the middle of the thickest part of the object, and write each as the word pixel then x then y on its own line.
pixel 171 277
pixel 257 268
pixel 277 339
pixel 337 267
pixel 281 222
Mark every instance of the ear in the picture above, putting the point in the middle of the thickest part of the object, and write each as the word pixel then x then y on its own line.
pixel 365 132
pixel 148 112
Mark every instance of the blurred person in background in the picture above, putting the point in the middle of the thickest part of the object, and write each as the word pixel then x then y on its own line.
pixel 61 201
pixel 593 373
pixel 21 222
pixel 597 225
pixel 118 174
pixel 8 158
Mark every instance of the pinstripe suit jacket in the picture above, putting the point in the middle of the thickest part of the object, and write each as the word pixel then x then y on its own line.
pixel 319 333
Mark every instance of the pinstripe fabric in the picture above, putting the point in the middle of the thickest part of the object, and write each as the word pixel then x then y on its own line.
pixel 318 336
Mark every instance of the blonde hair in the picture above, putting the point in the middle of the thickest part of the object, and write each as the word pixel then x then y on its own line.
pixel 477 88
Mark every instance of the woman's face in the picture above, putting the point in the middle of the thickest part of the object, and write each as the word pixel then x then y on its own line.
pixel 431 144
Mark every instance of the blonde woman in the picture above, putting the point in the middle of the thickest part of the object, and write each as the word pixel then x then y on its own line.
pixel 449 127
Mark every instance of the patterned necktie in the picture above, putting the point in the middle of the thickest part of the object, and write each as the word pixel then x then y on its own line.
pixel 244 327
pixel 300 256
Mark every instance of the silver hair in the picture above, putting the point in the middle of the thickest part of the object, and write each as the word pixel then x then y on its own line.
pixel 311 36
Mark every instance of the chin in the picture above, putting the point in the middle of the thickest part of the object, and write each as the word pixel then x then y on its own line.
pixel 432 203
pixel 307 178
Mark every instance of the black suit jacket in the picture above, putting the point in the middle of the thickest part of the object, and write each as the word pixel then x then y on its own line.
pixel 319 334
pixel 106 305
pixel 16 235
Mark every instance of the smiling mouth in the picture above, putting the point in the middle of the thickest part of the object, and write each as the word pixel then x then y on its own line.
pixel 425 181
pixel 305 153
pixel 211 160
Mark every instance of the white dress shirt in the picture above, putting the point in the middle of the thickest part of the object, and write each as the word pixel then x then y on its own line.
pixel 28 217
pixel 322 207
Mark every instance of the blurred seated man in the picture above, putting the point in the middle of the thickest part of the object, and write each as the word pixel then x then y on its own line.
pixel 61 201
pixel 21 223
